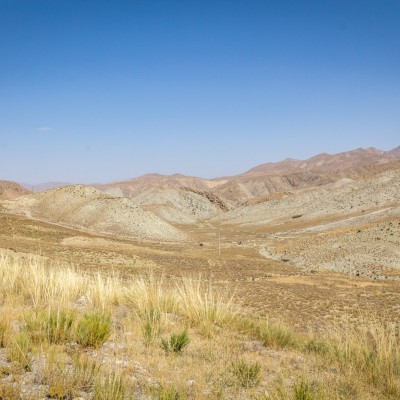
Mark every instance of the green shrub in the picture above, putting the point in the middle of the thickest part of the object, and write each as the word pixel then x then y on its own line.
pixel 247 374
pixel 176 343
pixel 94 329
pixel 58 326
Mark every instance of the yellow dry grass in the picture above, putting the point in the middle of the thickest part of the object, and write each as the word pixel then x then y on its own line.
pixel 47 307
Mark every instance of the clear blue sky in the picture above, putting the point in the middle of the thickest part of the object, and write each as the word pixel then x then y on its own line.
pixel 95 91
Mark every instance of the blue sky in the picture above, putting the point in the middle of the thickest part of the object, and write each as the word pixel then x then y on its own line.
pixel 96 91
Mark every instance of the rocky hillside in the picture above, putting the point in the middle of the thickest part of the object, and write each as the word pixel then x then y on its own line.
pixel 246 188
pixel 328 162
pixel 166 192
pixel 88 208
pixel 342 198
pixel 11 190
pixel 175 198
pixel 349 225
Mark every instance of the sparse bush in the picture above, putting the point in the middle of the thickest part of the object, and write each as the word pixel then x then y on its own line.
pixel 303 391
pixel 19 351
pixel 84 373
pixel 63 381
pixel 94 329
pixel 317 346
pixel 111 388
pixel 8 391
pixel 300 391
pixel 55 326
pixel 58 326
pixel 272 335
pixel 247 374
pixel 167 393
pixel 176 343
pixel 275 335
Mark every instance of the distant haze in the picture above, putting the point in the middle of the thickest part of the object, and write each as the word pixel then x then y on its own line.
pixel 103 91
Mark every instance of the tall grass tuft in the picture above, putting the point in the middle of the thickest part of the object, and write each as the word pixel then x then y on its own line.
pixel 150 295
pixel 247 374
pixel 19 351
pixel 31 280
pixel 111 388
pixel 202 304
pixel 271 335
pixel 372 347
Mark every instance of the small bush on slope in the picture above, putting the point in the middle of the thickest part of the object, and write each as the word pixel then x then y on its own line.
pixel 94 329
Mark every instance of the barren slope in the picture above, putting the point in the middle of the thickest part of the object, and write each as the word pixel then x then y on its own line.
pixel 339 199
pixel 349 226
pixel 328 162
pixel 247 187
pixel 11 190
pixel 134 187
pixel 89 208
pixel 174 198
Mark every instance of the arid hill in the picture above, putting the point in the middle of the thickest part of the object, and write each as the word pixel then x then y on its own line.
pixel 264 180
pixel 11 190
pixel 176 198
pixel 327 162
pixel 88 208
pixel 133 187
pixel 348 225
pixel 247 188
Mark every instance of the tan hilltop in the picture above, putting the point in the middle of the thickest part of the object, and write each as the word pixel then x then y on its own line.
pixel 88 208
pixel 175 198
pixel 11 190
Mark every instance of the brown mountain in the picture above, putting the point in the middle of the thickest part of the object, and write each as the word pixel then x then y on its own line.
pixel 195 198
pixel 290 174
pixel 328 162
pixel 11 190
pixel 133 187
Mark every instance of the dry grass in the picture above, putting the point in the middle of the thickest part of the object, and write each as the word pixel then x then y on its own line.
pixel 371 347
pixel 99 337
